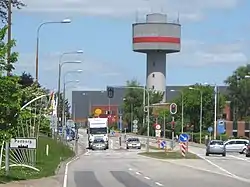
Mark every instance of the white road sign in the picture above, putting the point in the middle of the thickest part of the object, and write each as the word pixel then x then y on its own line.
pixel 135 121
pixel 135 126
pixel 23 143
pixel 158 133
pixel 157 127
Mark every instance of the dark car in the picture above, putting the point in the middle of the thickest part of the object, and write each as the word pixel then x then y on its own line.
pixel 216 147
pixel 248 150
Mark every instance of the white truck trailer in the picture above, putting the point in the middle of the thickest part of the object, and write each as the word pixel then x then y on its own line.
pixel 98 129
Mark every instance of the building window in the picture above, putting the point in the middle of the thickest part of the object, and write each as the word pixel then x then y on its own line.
pixel 153 87
pixel 153 75
pixel 235 125
pixel 247 126
pixel 224 116
pixel 153 63
pixel 246 134
pixel 235 134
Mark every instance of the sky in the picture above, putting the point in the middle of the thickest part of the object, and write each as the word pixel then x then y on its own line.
pixel 215 40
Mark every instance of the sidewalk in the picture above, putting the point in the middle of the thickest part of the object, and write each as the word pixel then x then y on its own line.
pixel 49 182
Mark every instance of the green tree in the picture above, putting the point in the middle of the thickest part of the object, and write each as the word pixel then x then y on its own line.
pixel 239 88
pixel 4 8
pixel 192 100
pixel 133 103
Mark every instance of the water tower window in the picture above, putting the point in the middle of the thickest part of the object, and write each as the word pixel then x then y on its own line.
pixel 153 87
pixel 153 63
pixel 153 75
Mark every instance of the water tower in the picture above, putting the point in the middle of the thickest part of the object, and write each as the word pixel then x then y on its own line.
pixel 156 37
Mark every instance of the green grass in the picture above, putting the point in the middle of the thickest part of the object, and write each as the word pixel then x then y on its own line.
pixel 169 155
pixel 46 164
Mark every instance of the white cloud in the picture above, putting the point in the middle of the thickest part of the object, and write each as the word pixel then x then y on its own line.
pixel 199 54
pixel 189 10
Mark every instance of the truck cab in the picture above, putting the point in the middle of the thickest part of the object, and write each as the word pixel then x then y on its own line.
pixel 97 129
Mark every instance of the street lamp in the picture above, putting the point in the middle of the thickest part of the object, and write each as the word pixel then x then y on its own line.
pixel 64 89
pixel 182 108
pixel 191 88
pixel 37 39
pixel 215 109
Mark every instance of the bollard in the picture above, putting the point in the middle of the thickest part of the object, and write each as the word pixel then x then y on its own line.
pixel 47 150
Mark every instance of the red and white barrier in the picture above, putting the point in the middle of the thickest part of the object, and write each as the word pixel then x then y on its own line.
pixel 183 148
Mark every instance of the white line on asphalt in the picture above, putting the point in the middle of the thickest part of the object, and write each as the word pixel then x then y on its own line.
pixel 138 173
pixel 111 144
pixel 159 184
pixel 239 158
pixel 147 178
pixel 66 171
pixel 130 169
pixel 87 153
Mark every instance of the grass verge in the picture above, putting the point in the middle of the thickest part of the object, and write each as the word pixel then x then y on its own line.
pixel 169 155
pixel 47 165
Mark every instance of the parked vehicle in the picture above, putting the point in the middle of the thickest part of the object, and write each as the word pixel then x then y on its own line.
pixel 236 145
pixel 216 147
pixel 133 143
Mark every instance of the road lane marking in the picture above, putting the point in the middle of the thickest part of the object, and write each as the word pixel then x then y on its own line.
pixel 239 158
pixel 130 169
pixel 159 184
pixel 111 144
pixel 138 173
pixel 65 179
pixel 147 178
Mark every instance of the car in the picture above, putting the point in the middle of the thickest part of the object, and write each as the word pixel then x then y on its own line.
pixel 98 144
pixel 133 143
pixel 248 150
pixel 236 145
pixel 216 147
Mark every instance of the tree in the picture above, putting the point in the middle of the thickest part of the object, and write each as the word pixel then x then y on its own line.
pixel 26 80
pixel 192 100
pixel 67 107
pixel 4 4
pixel 239 88
pixel 3 51
pixel 133 103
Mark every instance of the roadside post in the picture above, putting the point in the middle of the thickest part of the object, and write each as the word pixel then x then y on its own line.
pixel 183 139
pixel 173 111
pixel 210 130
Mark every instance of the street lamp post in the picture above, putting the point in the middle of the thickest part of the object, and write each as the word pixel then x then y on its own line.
pixel 182 108
pixel 201 95
pixel 64 89
pixel 60 65
pixel 37 40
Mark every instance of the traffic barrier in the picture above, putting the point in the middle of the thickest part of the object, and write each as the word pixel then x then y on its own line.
pixel 183 148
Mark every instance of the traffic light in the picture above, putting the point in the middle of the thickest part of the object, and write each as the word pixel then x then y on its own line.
pixel 173 108
pixel 110 92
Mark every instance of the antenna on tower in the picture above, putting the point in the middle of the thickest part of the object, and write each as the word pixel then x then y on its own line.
pixel 178 17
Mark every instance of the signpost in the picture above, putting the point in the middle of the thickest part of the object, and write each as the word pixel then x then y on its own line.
pixel 210 130
pixel 23 143
pixel 221 127
pixel 183 139
pixel 157 130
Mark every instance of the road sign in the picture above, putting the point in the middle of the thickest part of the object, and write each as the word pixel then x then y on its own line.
pixel 98 111
pixel 173 108
pixel 135 121
pixel 163 144
pixel 210 129
pixel 183 138
pixel 221 127
pixel 158 133
pixel 135 126
pixel 157 127
pixel 23 143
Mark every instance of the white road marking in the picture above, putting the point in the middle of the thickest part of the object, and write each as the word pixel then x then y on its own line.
pixel 239 158
pixel 111 144
pixel 65 179
pixel 130 169
pixel 159 184
pixel 147 178
pixel 138 173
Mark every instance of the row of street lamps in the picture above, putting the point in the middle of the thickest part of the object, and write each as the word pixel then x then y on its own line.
pixel 60 66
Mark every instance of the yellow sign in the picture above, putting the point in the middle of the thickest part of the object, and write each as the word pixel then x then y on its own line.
pixel 98 111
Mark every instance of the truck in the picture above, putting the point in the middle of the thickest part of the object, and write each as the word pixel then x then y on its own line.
pixel 97 129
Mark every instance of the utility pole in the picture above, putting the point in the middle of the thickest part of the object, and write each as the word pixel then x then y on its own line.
pixel 9 35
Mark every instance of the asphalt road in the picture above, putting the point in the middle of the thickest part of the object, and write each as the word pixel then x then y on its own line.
pixel 124 168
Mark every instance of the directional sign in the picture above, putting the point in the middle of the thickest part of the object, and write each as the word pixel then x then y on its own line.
pixel 23 143
pixel 210 129
pixel 221 127
pixel 163 144
pixel 183 138
pixel 135 126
